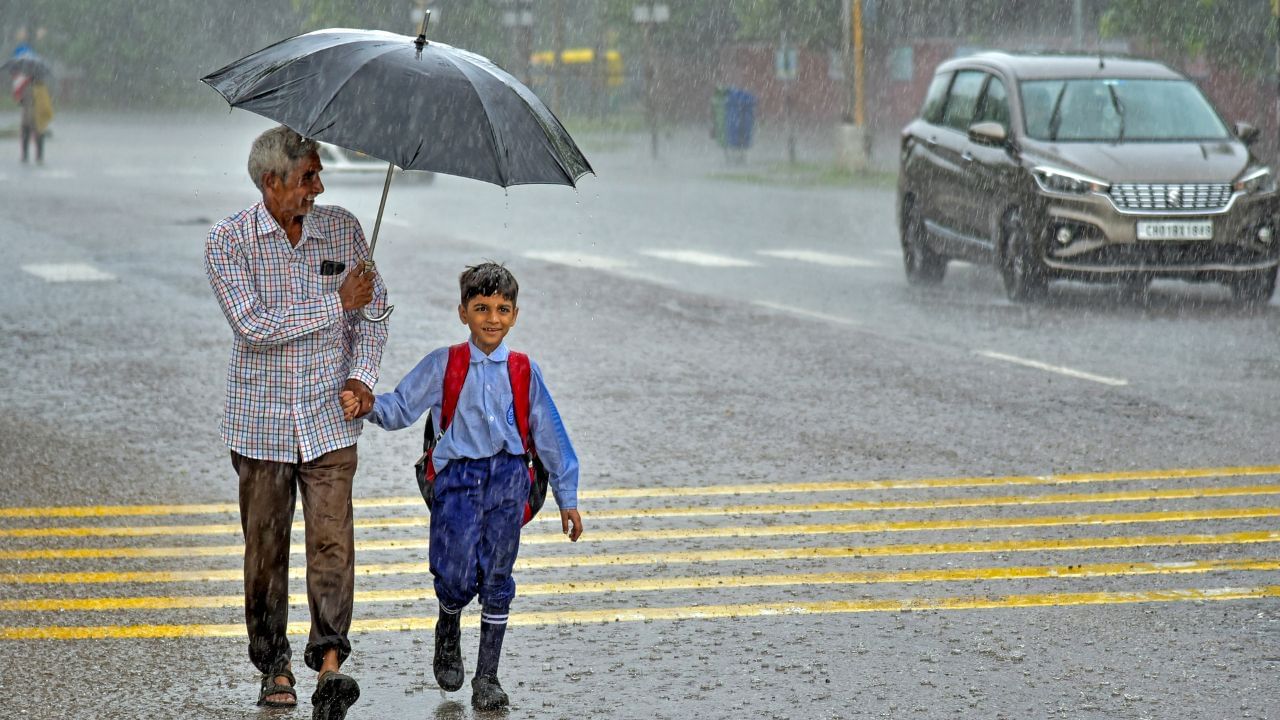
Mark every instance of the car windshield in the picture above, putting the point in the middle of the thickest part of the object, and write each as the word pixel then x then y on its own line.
pixel 1116 109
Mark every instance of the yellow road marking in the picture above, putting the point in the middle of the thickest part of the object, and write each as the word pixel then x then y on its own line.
pixel 715 582
pixel 687 556
pixel 737 489
pixel 936 503
pixel 660 512
pixel 689 533
pixel 690 612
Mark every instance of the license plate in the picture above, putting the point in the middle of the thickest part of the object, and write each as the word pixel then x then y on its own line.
pixel 1175 230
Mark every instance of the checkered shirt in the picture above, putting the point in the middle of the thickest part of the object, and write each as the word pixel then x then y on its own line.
pixel 294 346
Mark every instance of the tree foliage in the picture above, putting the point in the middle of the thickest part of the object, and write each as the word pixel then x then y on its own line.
pixel 1238 33
pixel 130 53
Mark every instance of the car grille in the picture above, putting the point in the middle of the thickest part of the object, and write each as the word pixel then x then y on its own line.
pixel 1175 196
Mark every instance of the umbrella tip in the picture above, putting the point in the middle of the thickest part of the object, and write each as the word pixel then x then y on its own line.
pixel 422 36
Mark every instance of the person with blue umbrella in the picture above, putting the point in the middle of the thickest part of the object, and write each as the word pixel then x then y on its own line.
pixel 31 75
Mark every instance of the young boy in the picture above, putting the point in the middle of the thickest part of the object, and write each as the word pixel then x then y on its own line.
pixel 481 475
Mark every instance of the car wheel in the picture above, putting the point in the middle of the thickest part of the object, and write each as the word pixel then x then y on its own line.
pixel 1255 288
pixel 1021 268
pixel 923 265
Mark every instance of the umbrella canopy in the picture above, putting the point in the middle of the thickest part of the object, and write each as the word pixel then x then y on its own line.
pixel 419 105
pixel 29 64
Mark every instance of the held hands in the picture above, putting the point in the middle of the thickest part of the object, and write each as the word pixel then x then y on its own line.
pixel 356 290
pixel 356 399
pixel 569 518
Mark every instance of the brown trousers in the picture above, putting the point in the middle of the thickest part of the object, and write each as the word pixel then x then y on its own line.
pixel 268 493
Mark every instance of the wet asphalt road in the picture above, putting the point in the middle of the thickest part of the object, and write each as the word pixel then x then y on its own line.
pixel 811 492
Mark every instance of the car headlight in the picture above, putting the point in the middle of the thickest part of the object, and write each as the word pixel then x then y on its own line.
pixel 1258 181
pixel 1061 181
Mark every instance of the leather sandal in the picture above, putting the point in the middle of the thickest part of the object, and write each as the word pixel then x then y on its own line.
pixel 334 693
pixel 271 687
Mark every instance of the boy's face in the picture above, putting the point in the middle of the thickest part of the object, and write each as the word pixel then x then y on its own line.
pixel 490 318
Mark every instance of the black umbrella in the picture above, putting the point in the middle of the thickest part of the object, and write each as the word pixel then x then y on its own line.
pixel 29 64
pixel 418 105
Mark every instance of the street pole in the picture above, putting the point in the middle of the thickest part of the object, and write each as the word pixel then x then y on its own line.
pixel 853 142
pixel 648 15
pixel 859 67
pixel 1275 14
pixel 1077 24
pixel 557 61
pixel 846 56
pixel 648 90
pixel 600 66
pixel 519 19
pixel 788 81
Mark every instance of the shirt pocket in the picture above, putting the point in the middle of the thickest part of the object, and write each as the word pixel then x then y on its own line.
pixel 320 285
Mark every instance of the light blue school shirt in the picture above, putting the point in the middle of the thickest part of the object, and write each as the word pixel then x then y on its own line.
pixel 484 421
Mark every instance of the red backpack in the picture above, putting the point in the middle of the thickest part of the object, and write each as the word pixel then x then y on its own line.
pixel 455 375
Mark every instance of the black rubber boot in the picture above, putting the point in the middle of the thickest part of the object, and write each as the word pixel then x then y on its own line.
pixel 491 635
pixel 448 660
pixel 487 693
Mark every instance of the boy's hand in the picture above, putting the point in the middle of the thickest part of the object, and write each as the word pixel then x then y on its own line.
pixel 356 399
pixel 569 518
pixel 350 405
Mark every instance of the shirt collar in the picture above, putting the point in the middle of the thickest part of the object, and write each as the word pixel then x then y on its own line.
pixel 268 225
pixel 498 355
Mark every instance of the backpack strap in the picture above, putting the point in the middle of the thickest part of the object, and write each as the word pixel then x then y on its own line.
pixel 518 370
pixel 455 375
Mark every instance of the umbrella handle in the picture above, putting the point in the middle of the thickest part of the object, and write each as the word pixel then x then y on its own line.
pixel 381 317
pixel 367 266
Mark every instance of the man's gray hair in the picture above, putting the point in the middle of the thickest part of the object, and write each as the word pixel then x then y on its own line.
pixel 276 152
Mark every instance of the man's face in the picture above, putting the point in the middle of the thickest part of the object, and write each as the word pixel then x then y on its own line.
pixel 490 318
pixel 295 195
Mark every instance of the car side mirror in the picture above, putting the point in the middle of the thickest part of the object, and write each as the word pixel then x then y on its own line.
pixel 988 133
pixel 1246 132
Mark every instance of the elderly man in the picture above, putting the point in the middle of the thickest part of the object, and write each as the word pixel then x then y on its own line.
pixel 289 277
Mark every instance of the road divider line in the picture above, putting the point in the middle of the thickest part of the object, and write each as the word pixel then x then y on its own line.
pixel 811 314
pixel 699 490
pixel 821 258
pixel 665 584
pixel 68 272
pixel 578 260
pixel 679 557
pixel 699 258
pixel 667 534
pixel 689 612
pixel 1060 370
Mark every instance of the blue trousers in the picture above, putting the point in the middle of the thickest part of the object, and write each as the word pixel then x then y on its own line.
pixel 475 531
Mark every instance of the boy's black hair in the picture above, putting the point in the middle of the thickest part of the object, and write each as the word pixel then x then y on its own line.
pixel 488 278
